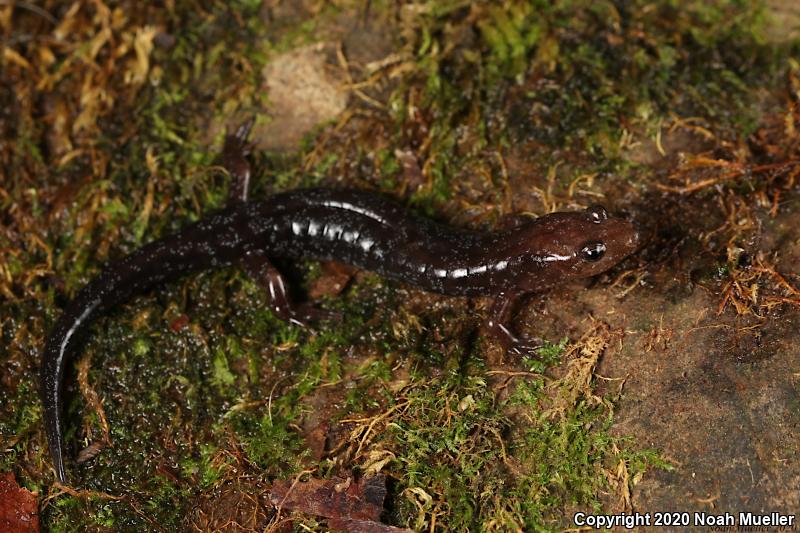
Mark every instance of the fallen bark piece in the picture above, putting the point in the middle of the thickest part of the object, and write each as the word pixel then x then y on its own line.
pixel 18 510
pixel 332 498
pixel 364 526
pixel 335 277
pixel 352 505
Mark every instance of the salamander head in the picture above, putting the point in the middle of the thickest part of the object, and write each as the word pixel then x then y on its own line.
pixel 563 246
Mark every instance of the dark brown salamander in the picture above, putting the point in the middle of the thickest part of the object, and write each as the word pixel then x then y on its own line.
pixel 360 228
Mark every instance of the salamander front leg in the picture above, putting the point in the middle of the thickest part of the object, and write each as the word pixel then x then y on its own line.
pixel 234 159
pixel 258 266
pixel 499 316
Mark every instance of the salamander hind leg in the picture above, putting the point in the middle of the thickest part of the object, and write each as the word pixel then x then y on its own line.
pixel 259 267
pixel 234 158
pixel 496 324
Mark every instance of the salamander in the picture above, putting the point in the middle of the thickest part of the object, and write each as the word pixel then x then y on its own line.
pixel 360 228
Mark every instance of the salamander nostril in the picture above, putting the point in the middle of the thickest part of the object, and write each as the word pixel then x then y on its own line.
pixel 635 239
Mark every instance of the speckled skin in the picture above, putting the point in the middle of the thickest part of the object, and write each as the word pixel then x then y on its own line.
pixel 360 228
pixel 372 232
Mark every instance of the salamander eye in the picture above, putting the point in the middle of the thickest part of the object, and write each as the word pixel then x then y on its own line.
pixel 597 213
pixel 593 251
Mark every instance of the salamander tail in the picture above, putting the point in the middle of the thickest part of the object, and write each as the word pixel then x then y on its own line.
pixel 209 243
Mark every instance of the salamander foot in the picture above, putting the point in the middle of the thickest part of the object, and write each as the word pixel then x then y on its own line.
pixel 234 158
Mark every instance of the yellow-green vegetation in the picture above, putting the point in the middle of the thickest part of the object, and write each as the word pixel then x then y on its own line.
pixel 196 388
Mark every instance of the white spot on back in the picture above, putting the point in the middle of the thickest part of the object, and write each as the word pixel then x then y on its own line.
pixel 555 257
pixel 458 273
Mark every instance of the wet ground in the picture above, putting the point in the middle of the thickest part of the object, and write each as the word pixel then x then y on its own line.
pixel 677 387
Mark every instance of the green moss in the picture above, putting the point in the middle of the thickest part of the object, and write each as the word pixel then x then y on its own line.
pixel 559 80
pixel 222 375
pixel 459 442
pixel 587 67
pixel 206 468
pixel 270 442
pixel 548 355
